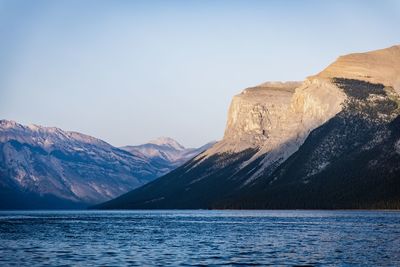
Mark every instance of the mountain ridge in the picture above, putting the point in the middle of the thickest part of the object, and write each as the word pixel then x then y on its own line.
pixel 270 132
pixel 167 150
pixel 46 167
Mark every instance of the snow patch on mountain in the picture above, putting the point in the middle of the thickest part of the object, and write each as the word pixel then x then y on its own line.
pixel 167 150
pixel 167 142
pixel 69 165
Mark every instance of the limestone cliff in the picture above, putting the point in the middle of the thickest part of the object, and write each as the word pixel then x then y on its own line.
pixel 257 115
pixel 276 117
pixel 329 142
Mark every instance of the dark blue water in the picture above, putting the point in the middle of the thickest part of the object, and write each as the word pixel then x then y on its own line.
pixel 363 238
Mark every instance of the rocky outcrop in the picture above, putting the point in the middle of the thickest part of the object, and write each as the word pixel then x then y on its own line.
pixel 256 115
pixel 379 66
pixel 275 118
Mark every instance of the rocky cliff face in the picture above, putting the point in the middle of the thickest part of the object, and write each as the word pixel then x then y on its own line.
pixel 275 118
pixel 256 115
pixel 284 134
pixel 351 161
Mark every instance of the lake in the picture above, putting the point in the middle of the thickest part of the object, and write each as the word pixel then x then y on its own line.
pixel 199 237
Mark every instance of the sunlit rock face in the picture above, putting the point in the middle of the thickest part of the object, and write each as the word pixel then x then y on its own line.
pixel 272 114
pixel 259 114
pixel 316 144
pixel 379 66
pixel 276 117
pixel 315 102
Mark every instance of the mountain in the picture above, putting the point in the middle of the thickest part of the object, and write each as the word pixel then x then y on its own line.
pixel 332 141
pixel 167 151
pixel 46 167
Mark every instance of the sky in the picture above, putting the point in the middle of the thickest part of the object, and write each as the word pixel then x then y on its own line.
pixel 131 71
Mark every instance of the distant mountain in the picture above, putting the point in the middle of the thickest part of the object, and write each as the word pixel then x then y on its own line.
pixel 332 141
pixel 46 167
pixel 167 151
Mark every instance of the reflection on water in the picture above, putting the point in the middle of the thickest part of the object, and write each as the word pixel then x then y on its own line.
pixel 200 237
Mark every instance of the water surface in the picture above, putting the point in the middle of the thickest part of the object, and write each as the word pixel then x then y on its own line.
pixel 115 238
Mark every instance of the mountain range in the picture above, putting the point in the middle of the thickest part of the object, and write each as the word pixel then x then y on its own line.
pixel 329 142
pixel 166 151
pixel 46 167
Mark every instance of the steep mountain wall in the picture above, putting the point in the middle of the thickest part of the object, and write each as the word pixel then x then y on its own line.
pixel 276 117
pixel 330 142
pixel 256 115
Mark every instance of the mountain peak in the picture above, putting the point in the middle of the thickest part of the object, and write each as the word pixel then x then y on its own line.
pixel 8 123
pixel 378 66
pixel 167 141
pixel 13 130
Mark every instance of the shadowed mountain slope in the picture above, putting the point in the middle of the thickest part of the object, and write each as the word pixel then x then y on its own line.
pixel 46 167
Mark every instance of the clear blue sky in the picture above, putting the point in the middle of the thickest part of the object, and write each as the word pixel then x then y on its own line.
pixel 130 71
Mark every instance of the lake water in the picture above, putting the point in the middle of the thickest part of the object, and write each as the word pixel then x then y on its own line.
pixel 115 238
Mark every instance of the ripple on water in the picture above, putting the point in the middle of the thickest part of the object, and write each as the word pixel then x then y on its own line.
pixel 138 238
